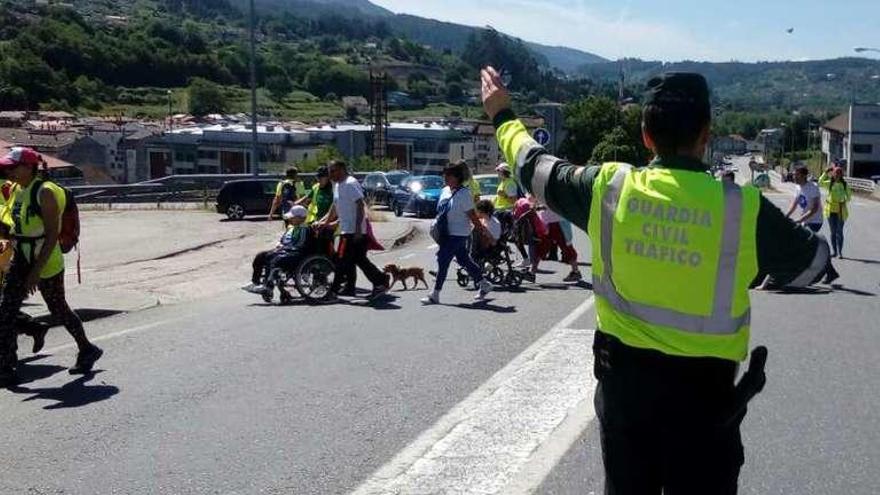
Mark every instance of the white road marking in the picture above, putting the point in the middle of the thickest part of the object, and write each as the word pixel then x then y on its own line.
pixel 510 432
pixel 112 335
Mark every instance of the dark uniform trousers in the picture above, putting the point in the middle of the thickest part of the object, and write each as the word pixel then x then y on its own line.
pixel 665 423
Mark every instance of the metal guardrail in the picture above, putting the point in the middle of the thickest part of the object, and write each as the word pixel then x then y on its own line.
pixel 864 185
pixel 172 189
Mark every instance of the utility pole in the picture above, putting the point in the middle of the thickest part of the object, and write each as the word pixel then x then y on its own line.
pixel 170 118
pixel 255 165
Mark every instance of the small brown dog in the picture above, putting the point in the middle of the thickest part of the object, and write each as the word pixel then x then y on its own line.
pixel 397 273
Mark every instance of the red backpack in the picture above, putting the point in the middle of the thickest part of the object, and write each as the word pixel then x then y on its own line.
pixel 68 238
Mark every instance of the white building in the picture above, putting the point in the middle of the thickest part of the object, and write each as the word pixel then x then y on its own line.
pixel 853 138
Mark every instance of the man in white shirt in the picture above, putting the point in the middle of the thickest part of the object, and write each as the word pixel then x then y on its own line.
pixel 807 200
pixel 350 211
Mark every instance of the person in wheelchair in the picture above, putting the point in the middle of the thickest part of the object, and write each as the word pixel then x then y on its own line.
pixel 482 247
pixel 268 265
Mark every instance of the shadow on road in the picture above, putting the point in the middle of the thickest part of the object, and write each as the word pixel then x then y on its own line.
pixel 870 262
pixel 76 393
pixel 485 306
pixel 856 292
pixel 28 372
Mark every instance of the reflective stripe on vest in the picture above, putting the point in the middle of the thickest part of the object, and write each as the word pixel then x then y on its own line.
pixel 719 322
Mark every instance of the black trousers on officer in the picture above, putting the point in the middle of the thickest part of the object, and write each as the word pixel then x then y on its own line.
pixel 664 422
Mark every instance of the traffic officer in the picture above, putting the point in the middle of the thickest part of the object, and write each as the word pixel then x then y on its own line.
pixel 674 253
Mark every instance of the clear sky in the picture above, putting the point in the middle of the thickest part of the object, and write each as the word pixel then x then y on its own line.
pixel 671 30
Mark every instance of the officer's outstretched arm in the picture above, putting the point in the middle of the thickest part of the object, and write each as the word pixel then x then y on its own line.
pixel 565 188
pixel 793 255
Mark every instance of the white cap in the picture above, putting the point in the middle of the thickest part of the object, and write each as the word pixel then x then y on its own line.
pixel 502 167
pixel 296 212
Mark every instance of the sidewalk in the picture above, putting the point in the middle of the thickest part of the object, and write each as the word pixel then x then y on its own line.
pixel 133 260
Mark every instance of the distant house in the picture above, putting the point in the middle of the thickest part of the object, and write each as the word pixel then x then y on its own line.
pixel 853 137
pixel 12 118
pixel 730 145
pixel 59 170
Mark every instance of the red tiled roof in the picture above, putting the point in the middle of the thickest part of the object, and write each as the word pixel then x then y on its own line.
pixel 51 161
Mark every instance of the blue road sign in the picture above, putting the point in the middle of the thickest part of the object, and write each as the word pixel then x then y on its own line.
pixel 542 136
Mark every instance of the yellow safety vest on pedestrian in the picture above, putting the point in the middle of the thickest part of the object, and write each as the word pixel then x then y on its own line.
pixel 29 230
pixel 474 186
pixel 506 202
pixel 673 256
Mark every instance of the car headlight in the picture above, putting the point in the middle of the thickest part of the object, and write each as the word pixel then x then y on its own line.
pixel 422 196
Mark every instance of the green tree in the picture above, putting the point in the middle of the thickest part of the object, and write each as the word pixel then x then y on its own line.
pixel 279 86
pixel 587 121
pixel 615 145
pixel 324 155
pixel 206 97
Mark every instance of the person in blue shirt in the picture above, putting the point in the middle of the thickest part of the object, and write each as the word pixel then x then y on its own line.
pixel 284 256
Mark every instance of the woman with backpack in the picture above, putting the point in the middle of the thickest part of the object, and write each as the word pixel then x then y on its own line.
pixel 38 263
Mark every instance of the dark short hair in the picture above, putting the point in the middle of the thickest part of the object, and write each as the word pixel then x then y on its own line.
pixel 337 164
pixel 677 109
pixel 458 170
pixel 485 206
pixel 322 171
pixel 674 127
pixel 292 172
pixel 802 170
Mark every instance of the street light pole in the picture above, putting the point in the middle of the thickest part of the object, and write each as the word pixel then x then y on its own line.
pixel 255 166
pixel 170 119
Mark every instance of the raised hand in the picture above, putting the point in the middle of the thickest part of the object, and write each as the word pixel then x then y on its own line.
pixel 496 98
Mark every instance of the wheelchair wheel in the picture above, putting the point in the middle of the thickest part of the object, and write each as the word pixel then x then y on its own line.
pixel 314 277
pixel 462 277
pixel 494 275
pixel 514 279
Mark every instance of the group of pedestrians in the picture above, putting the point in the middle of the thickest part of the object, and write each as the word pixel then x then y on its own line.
pixel 31 213
pixel 335 203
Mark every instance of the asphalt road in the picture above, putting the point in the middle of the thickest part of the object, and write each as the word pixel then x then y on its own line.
pixel 229 395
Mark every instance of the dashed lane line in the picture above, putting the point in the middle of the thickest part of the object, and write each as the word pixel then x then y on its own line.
pixel 509 433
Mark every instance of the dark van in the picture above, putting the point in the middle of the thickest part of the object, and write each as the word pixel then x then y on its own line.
pixel 240 198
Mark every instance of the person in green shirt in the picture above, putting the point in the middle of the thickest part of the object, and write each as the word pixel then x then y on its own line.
pixel 320 197
pixel 287 192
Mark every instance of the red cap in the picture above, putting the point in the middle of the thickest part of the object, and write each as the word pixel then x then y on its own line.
pixel 20 156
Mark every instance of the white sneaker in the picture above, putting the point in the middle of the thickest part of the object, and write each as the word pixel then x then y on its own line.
pixel 524 264
pixel 254 288
pixel 434 298
pixel 485 289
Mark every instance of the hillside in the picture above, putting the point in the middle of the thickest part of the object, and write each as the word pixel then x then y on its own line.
pixel 811 85
pixel 436 34
pixel 95 55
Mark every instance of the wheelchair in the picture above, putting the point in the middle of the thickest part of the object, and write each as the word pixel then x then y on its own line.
pixel 312 276
pixel 497 264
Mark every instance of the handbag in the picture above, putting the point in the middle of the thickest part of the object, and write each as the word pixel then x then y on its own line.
pixel 440 226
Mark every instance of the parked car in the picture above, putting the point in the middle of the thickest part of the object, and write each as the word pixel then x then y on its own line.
pixel 418 195
pixel 488 185
pixel 379 186
pixel 240 198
